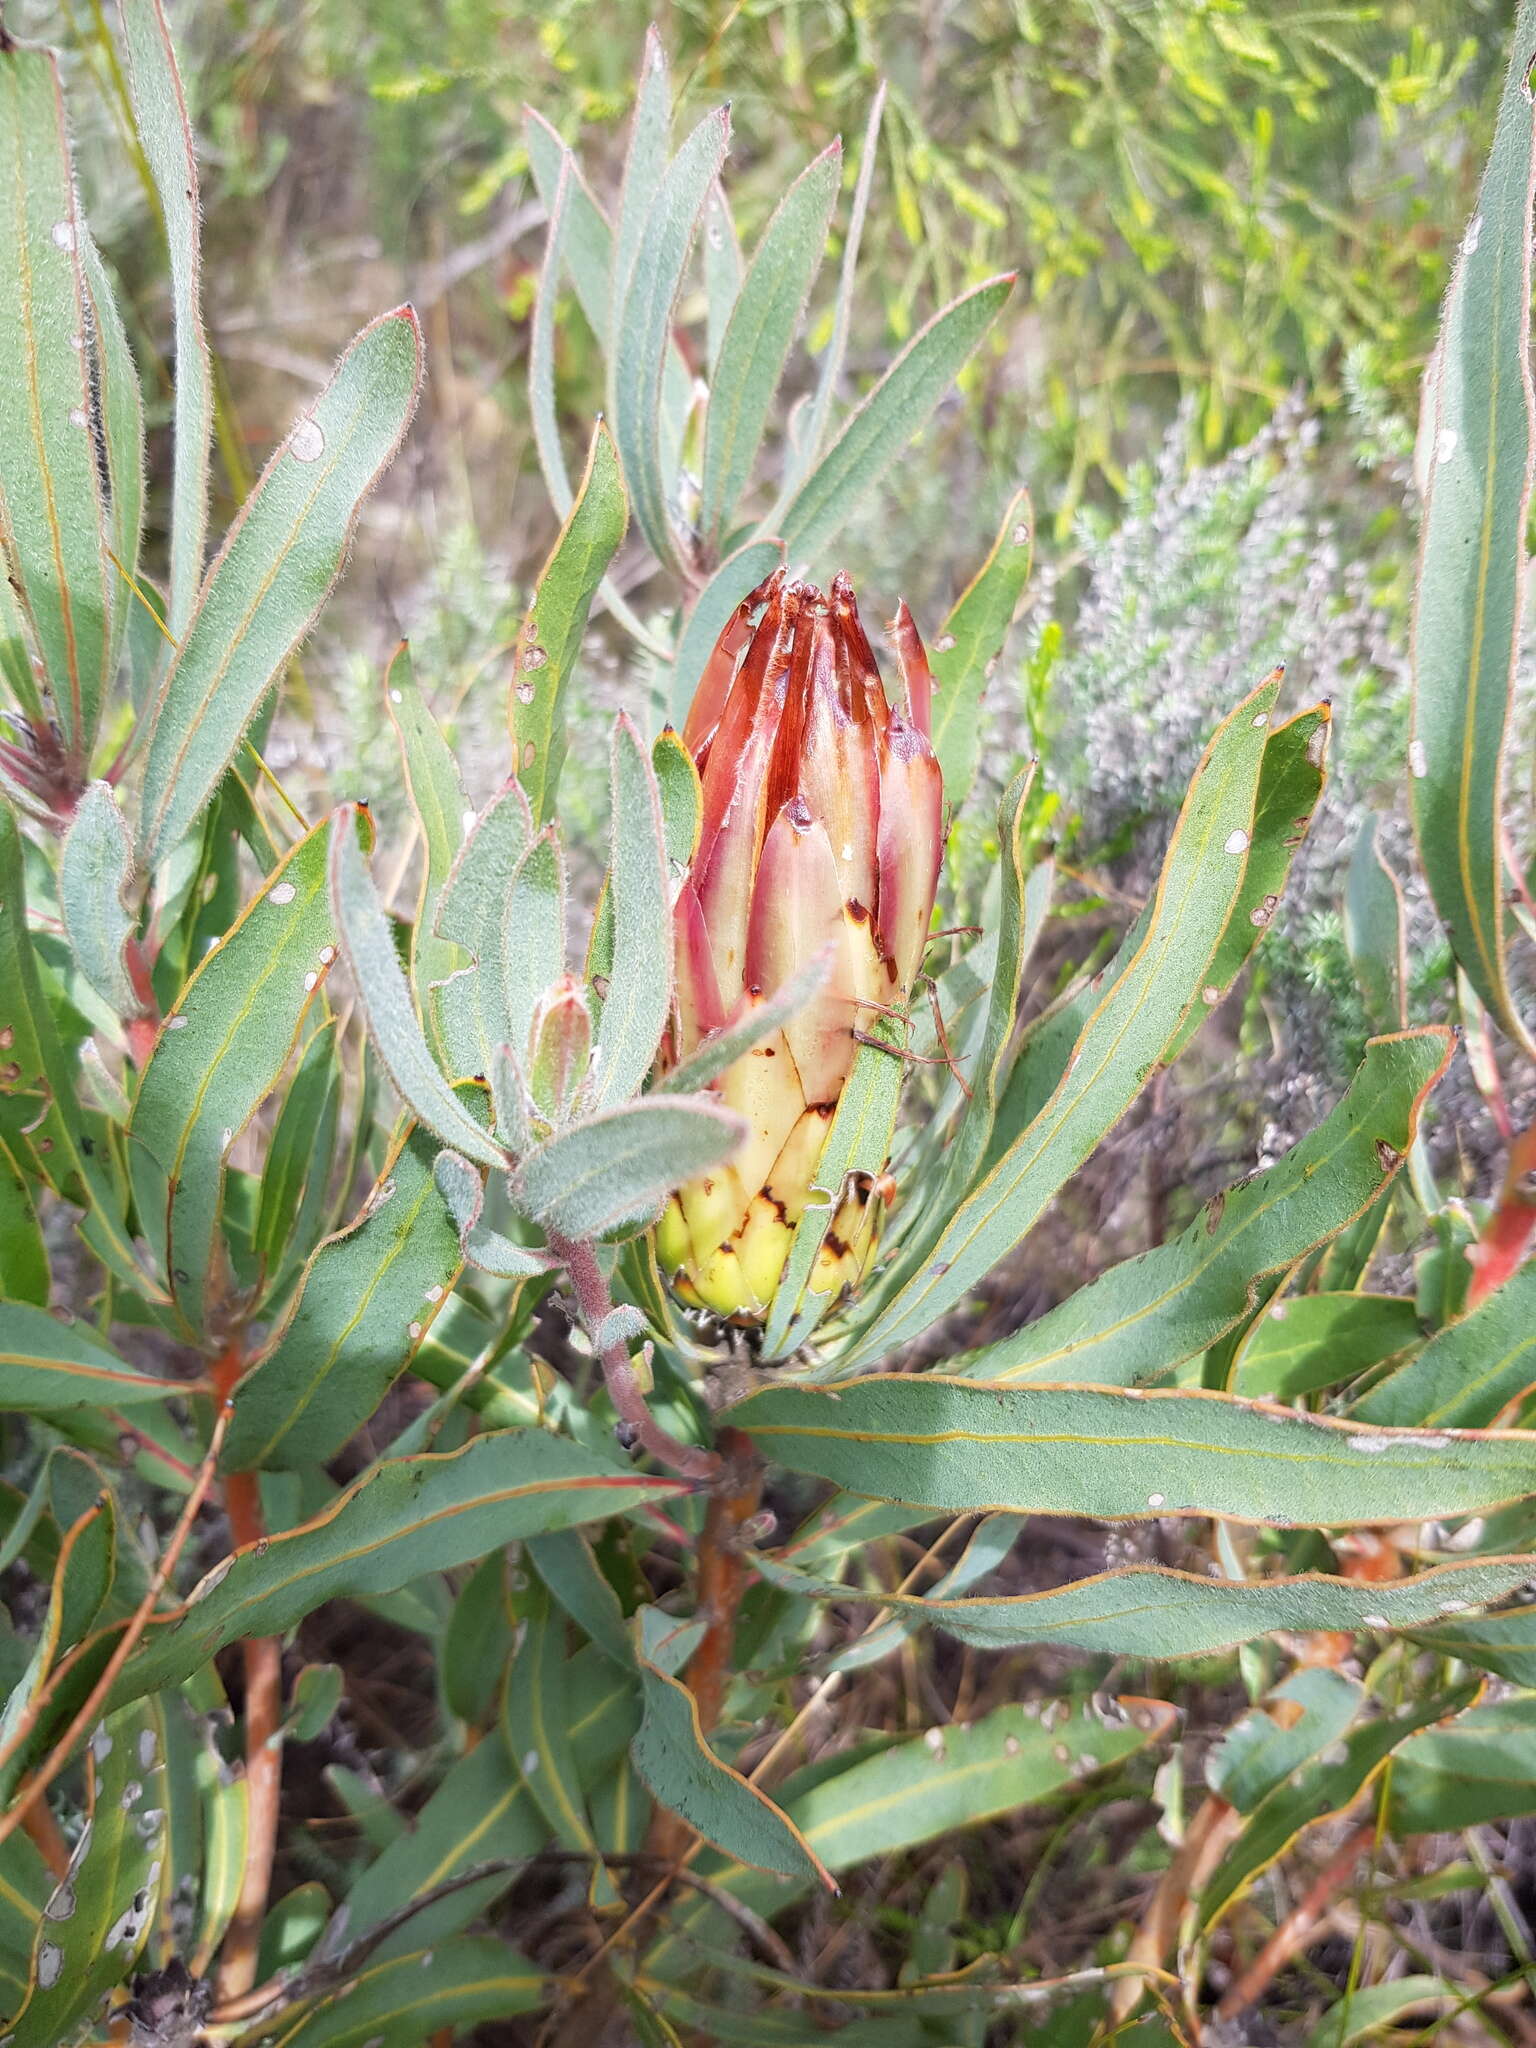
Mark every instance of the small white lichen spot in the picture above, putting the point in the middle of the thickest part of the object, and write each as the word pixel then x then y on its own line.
pixel 283 893
pixel 78 416
pixel 101 1745
pixel 227 1137
pixel 434 1293
pixel 534 657
pixel 1261 718
pixel 147 1749
pixel 1454 1606
pixel 133 1792
pixel 1156 1500
pixel 327 955
pixel 1021 534
pixel 1446 443
pixel 933 1741
pixel 1374 1621
pixel 1280 1311
pixel 307 441
pixel 524 693
pixel 1237 842
pixel 63 234
pixel 397 696
pixel 311 980
pixel 530 1762
pixel 945 643
pixel 415 1332
pixel 1370 1444
pixel 1062 1754
pixel 176 1023
pixel 1210 993
pixel 466 823
pixel 1418 760
pixel 1012 1746
pixel 62 1905
pixel 50 1960
pixel 77 343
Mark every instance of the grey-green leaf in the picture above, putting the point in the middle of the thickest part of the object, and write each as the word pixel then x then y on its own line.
pixel 617 1166
pixel 763 324
pixel 277 566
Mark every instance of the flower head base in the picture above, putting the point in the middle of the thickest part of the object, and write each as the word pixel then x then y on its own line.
pixel 822 832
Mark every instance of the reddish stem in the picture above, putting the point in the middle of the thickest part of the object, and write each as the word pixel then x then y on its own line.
pixel 594 1305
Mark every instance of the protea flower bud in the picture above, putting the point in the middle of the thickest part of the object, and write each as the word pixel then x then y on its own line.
pixel 822 827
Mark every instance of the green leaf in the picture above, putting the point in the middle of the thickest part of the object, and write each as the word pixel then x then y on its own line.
pixel 98 1916
pixel 1477 432
pixel 1290 783
pixel 1373 933
pixel 648 274
pixel 617 1166
pixel 218 1056
pixel 971 1446
pixel 587 241
pixel 1502 1643
pixel 506 909
pixel 638 1002
pixel 47 1366
pixel 1308 1342
pixel 550 642
pixel 419 1997
pixel 386 1000
pixel 55 520
pixel 645 167
pixel 894 412
pixel 437 799
pixel 403 1518
pixel 464 1193
pixel 1023 900
pixel 681 1770
pixel 1121 1042
pixel 565 1563
pixel 121 411
pixel 481 1812
pixel 83 1574
pixel 1258 1753
pixel 43 1118
pixel 95 870
pixel 275 570
pixel 858 1141
pixel 722 271
pixel 1469 1372
pixel 536 1723
pixel 737 576
pixel 965 652
pixel 1150 1313
pixel 1366 2012
pixel 682 798
pixel 830 374
pixel 24 1267
pixel 25 1884
pixel 913 1791
pixel 366 1301
pixel 296 1175
pixel 1150 1611
pixel 165 134
pixel 763 323
pixel 1330 1784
